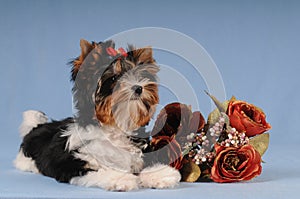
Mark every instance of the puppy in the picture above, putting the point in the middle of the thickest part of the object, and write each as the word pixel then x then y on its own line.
pixel 115 92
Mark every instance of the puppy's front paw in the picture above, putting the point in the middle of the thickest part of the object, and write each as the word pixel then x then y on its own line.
pixel 110 180
pixel 124 182
pixel 159 176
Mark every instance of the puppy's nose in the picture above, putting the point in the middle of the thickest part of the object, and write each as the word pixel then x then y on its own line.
pixel 137 89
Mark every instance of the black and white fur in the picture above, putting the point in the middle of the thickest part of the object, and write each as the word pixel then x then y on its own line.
pixel 88 151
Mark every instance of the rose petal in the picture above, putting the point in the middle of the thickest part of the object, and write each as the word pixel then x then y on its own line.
pixel 197 122
pixel 218 148
pixel 236 121
pixel 168 151
pixel 243 165
pixel 255 171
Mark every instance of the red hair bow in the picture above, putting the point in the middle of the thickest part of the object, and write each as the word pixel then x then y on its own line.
pixel 112 52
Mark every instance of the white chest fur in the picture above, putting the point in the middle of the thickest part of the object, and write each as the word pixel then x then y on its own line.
pixel 104 147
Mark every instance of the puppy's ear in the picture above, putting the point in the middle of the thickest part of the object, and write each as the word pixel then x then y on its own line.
pixel 142 55
pixel 86 48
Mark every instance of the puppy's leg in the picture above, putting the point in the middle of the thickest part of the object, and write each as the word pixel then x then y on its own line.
pixel 108 179
pixel 159 176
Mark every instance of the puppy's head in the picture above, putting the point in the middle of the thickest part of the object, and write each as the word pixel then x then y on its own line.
pixel 115 87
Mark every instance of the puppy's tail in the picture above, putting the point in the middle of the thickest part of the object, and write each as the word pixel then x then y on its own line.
pixel 31 119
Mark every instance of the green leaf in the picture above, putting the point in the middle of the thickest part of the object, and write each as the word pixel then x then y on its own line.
pixel 214 116
pixel 218 104
pixel 190 172
pixel 232 98
pixel 260 143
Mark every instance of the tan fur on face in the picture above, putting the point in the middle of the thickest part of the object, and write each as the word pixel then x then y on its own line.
pixel 151 98
pixel 107 111
pixel 104 112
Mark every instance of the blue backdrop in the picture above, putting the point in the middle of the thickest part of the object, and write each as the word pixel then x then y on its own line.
pixel 255 45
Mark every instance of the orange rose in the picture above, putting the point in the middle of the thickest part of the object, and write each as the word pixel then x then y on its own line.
pixel 247 118
pixel 235 164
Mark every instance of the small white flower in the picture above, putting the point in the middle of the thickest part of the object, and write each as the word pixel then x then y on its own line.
pixel 222 119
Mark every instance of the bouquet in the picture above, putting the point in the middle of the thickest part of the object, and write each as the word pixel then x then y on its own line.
pixel 228 147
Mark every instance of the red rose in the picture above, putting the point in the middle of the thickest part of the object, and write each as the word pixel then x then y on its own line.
pixel 177 119
pixel 247 118
pixel 169 133
pixel 235 164
pixel 167 150
pixel 170 119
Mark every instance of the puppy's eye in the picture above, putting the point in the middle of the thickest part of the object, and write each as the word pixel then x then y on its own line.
pixel 114 78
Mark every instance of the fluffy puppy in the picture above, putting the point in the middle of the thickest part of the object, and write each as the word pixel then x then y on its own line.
pixel 115 93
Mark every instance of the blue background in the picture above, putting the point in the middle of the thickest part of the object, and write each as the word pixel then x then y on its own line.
pixel 255 45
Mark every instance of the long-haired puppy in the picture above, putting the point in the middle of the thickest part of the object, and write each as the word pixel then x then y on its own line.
pixel 115 92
